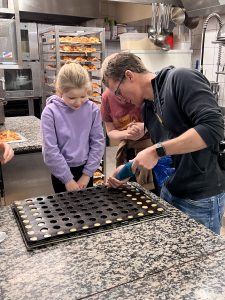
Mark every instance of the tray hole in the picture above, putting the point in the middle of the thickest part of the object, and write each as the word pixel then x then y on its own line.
pixel 94 207
pixel 52 201
pixel 38 218
pixel 87 198
pixel 83 209
pixel 60 195
pixel 69 224
pixel 66 202
pixel 124 211
pixel 96 197
pixel 99 212
pixel 29 201
pixel 88 214
pixel 47 211
pixel 42 202
pixel 114 202
pixel 119 207
pixel 65 219
pixel 109 209
pixel 90 203
pixel 39 199
pixel 69 207
pixel 104 217
pixel 80 205
pixel 80 222
pixel 44 230
pixel 135 209
pixel 53 221
pixel 62 214
pixel 76 216
pixel 58 209
pixel 92 219
pixel 44 206
pixel 50 216
pixel 105 204
pixel 129 205
pixel 100 201
pixel 73 211
pixel 55 205
pixel 56 227
pixel 49 197
pixel 114 214
pixel 70 193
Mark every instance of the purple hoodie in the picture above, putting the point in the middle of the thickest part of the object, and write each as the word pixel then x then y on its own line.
pixel 71 138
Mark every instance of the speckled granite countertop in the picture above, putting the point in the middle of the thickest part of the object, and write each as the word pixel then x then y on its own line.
pixel 168 258
pixel 29 128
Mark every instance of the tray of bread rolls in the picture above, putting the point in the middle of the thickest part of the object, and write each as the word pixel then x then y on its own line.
pixel 53 218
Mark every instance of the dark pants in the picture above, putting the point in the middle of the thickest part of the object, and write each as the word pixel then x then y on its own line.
pixel 59 187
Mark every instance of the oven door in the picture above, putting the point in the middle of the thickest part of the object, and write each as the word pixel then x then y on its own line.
pixel 29 41
pixel 24 82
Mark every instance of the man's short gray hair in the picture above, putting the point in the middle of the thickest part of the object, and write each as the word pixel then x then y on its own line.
pixel 115 66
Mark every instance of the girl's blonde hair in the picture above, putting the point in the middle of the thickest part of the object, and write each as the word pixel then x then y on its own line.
pixel 72 76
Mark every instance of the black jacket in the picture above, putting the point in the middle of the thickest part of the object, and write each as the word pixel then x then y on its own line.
pixel 185 101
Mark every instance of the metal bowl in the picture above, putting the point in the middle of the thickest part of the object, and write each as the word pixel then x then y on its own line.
pixel 221 33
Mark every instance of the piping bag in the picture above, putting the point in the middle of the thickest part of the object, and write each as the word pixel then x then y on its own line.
pixel 125 172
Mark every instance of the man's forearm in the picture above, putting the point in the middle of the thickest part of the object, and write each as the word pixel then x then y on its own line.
pixel 189 141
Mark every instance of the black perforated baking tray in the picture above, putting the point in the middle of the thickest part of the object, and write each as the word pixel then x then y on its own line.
pixel 47 219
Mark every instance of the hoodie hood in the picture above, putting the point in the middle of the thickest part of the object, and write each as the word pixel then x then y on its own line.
pixel 56 100
pixel 159 80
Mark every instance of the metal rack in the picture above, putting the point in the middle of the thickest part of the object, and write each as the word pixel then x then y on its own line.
pixel 86 45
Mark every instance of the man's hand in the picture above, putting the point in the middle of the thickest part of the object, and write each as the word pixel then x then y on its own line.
pixel 8 153
pixel 147 158
pixel 72 186
pixel 83 181
pixel 115 183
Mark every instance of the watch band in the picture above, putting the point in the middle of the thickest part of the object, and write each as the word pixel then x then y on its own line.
pixel 160 150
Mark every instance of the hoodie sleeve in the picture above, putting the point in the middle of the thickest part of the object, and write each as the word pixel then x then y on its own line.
pixel 54 160
pixel 96 142
pixel 199 105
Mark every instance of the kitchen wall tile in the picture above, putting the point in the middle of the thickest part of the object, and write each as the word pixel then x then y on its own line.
pixel 198 29
pixel 210 36
pixel 196 41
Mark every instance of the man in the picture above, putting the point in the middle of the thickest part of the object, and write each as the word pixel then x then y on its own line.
pixel 184 120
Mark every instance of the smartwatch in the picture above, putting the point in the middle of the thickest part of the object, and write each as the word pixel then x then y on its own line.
pixel 160 150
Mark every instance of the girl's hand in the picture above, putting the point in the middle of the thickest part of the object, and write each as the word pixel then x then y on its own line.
pixel 83 181
pixel 8 153
pixel 72 186
pixel 115 183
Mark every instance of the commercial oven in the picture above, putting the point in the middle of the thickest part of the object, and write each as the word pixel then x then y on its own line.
pixel 22 86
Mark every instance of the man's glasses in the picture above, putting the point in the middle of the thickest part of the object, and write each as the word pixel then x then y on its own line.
pixel 117 91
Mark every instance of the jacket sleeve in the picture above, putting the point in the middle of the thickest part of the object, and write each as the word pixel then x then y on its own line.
pixel 54 160
pixel 96 144
pixel 199 105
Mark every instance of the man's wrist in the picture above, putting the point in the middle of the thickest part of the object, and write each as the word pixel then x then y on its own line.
pixel 160 150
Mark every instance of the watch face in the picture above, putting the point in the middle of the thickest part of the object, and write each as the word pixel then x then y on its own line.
pixel 160 150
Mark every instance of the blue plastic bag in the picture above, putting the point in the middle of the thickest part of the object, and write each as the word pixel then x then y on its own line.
pixel 163 169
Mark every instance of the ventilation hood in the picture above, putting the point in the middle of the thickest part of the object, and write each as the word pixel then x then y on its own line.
pixel 203 8
pixel 62 11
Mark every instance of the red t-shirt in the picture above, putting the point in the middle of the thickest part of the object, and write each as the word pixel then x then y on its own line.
pixel 118 113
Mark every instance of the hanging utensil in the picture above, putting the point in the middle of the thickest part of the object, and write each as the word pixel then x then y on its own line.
pixel 152 28
pixel 178 15
pixel 191 23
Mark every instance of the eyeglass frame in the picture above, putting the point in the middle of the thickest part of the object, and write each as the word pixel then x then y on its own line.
pixel 117 91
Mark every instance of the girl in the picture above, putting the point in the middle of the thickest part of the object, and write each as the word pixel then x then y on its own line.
pixel 72 134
